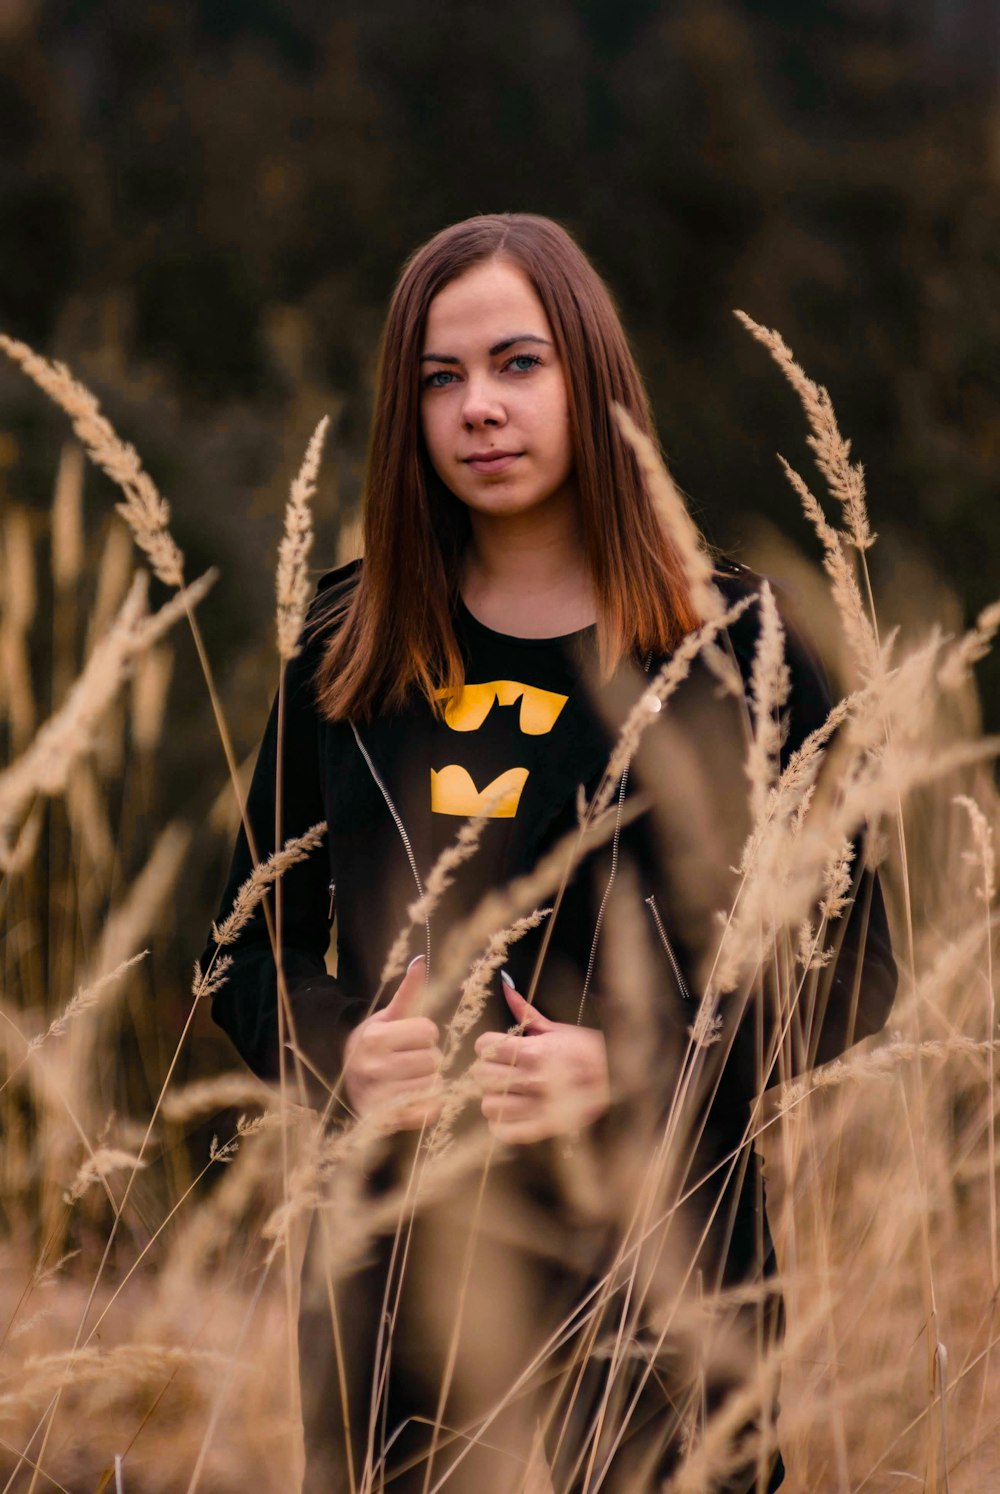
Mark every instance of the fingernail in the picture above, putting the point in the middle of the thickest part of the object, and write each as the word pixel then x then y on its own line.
pixel 505 977
pixel 414 961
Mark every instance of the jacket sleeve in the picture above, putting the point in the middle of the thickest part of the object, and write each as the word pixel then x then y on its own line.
pixel 246 1005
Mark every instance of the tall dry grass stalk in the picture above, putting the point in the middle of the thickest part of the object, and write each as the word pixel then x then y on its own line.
pixel 144 510
pixel 89 822
pixel 85 999
pixel 150 690
pixel 983 858
pixel 43 768
pixel 147 515
pixel 663 685
pixel 263 876
pixel 114 576
pixel 67 518
pixel 845 479
pixel 149 1263
pixel 846 483
pixel 438 880
pixel 209 1096
pixel 770 683
pixel 19 599
pixel 296 543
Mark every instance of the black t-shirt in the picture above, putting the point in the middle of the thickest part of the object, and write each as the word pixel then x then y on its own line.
pixel 494 735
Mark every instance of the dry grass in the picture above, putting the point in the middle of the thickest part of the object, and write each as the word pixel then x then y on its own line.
pixel 293 552
pixel 148 1287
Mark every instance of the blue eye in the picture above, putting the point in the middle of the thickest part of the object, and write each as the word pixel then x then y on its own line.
pixel 528 358
pixel 428 381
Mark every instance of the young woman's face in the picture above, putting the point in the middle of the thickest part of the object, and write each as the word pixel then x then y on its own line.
pixel 493 401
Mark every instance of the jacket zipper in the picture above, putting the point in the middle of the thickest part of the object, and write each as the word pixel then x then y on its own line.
pixel 333 894
pixel 402 832
pixel 651 901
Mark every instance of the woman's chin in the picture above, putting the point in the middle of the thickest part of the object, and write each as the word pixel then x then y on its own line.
pixel 508 503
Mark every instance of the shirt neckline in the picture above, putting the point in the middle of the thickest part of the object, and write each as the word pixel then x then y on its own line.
pixel 472 621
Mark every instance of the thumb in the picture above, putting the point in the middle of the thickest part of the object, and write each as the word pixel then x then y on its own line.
pixel 407 993
pixel 526 1016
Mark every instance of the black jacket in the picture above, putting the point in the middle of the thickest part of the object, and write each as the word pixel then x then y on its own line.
pixel 370 785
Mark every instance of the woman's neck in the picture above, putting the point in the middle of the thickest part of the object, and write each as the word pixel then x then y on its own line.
pixel 527 575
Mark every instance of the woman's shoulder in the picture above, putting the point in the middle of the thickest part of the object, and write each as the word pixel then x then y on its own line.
pixel 338 582
pixel 327 608
pixel 736 582
pixel 333 592
pixel 734 579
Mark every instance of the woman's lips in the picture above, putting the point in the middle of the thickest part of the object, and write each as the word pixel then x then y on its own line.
pixel 493 464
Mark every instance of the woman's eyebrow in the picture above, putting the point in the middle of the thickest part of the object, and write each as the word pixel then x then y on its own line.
pixel 498 347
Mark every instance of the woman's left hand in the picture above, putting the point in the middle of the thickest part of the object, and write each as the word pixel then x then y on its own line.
pixel 547 1081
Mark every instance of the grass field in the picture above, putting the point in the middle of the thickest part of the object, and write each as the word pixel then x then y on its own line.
pixel 154 1212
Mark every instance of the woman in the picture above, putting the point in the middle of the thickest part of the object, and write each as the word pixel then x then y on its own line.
pixel 517 594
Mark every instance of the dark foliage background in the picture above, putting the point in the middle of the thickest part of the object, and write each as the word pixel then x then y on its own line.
pixel 203 206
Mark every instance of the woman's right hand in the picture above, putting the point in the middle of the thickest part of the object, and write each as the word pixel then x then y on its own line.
pixel 392 1060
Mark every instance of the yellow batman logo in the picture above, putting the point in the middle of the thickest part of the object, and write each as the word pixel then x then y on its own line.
pixel 453 792
pixel 539 708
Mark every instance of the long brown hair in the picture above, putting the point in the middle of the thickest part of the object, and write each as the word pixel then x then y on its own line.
pixel 394 629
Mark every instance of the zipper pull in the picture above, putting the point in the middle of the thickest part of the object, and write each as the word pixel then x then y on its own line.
pixel 333 890
pixel 674 965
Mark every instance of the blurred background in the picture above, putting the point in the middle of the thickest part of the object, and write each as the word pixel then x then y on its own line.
pixel 204 205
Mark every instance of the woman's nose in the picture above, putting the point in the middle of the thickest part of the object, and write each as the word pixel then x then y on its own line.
pixel 481 407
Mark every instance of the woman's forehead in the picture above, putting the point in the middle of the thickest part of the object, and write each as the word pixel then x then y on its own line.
pixel 487 304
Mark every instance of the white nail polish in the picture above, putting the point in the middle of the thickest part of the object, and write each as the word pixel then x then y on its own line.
pixel 414 961
pixel 505 977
